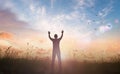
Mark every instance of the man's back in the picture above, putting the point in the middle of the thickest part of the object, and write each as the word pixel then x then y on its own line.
pixel 56 43
pixel 56 50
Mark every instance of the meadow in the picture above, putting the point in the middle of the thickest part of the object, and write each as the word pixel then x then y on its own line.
pixel 12 63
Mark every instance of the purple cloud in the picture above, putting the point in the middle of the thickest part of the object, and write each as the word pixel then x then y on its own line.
pixel 10 22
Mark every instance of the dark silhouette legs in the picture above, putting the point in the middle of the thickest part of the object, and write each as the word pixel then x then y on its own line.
pixel 53 62
pixel 59 62
pixel 54 54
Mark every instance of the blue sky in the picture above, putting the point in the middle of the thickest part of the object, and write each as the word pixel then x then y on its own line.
pixel 81 17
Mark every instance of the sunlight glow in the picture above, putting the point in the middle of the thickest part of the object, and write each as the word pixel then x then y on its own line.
pixel 64 56
pixel 4 43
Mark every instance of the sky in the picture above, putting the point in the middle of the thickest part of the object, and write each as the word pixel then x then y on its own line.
pixel 85 22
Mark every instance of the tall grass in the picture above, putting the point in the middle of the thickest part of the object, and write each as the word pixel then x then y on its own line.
pixel 12 63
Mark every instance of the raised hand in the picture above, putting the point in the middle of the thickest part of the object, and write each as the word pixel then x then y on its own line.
pixel 48 32
pixel 62 31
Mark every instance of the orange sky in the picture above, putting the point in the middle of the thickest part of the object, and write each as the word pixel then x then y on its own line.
pixel 69 45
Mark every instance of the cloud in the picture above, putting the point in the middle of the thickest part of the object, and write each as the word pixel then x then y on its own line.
pixel 40 20
pixel 76 21
pixel 106 10
pixel 105 28
pixel 116 21
pixel 37 10
pixel 10 22
pixel 6 35
pixel 37 7
pixel 7 39
pixel 84 3
pixel 61 21
pixel 32 8
pixel 52 3
pixel 6 4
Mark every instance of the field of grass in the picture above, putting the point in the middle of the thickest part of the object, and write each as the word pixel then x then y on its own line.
pixel 9 64
pixel 22 66
pixel 27 66
pixel 92 68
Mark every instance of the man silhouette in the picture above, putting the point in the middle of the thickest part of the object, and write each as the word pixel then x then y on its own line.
pixel 56 50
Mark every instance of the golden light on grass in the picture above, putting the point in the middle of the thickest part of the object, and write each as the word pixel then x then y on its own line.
pixel 4 43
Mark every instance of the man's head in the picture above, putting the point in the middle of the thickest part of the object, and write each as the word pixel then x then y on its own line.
pixel 55 36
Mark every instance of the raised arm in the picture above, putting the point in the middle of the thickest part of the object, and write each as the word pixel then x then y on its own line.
pixel 49 35
pixel 61 34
